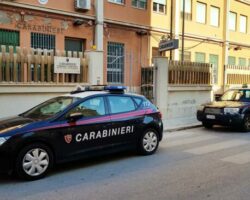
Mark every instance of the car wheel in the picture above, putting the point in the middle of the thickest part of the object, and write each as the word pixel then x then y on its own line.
pixel 149 142
pixel 34 162
pixel 207 125
pixel 246 123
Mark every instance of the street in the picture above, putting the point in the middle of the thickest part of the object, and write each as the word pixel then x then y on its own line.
pixel 192 164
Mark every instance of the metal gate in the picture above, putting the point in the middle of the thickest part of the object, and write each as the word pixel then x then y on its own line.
pixel 148 82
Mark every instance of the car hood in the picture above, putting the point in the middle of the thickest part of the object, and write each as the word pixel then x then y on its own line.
pixel 228 104
pixel 13 123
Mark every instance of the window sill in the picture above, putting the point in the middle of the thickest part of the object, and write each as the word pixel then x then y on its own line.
pixel 159 13
pixel 116 3
pixel 143 9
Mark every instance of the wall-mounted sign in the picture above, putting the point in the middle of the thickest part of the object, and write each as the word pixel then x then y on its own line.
pixel 166 45
pixel 39 28
pixel 64 65
pixel 43 1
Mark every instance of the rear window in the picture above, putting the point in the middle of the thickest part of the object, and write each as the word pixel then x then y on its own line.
pixel 119 104
pixel 138 101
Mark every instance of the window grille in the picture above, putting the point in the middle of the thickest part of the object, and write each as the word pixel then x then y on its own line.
pixel 43 41
pixel 115 58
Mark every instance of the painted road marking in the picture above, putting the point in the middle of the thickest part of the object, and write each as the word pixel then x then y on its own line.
pixel 216 147
pixel 242 158
pixel 190 140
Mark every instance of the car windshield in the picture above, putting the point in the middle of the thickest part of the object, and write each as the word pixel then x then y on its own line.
pixel 236 95
pixel 50 108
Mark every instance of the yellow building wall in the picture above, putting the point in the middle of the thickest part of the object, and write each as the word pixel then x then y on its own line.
pixel 206 38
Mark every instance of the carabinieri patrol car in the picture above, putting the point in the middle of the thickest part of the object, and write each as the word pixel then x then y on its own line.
pixel 75 126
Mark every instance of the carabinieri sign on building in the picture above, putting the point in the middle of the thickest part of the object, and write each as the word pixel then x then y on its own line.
pixel 64 65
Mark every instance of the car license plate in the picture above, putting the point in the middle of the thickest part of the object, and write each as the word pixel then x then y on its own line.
pixel 210 116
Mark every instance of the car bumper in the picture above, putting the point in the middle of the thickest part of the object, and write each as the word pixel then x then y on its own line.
pixel 6 164
pixel 221 119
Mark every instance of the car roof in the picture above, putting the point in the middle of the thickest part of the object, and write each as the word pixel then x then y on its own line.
pixel 93 93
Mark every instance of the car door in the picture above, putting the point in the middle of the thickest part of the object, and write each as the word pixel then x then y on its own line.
pixel 89 133
pixel 125 119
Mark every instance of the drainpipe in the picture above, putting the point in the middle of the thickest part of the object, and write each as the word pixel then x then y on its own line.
pixel 226 42
pixel 99 24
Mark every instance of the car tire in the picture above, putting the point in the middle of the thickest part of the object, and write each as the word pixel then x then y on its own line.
pixel 34 162
pixel 148 142
pixel 207 125
pixel 246 123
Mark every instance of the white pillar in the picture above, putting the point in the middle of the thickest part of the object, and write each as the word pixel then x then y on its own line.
pixel 95 67
pixel 161 85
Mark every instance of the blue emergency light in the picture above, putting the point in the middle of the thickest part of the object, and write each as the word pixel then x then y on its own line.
pixel 111 89
pixel 115 88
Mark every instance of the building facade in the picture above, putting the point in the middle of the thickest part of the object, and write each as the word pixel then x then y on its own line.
pixel 117 28
pixel 215 32
pixel 128 32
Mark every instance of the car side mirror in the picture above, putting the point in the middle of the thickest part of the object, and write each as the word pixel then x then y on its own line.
pixel 74 117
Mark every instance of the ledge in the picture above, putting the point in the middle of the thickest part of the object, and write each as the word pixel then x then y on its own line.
pixel 36 88
pixel 189 88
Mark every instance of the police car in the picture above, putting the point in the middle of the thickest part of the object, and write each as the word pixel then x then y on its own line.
pixel 75 126
pixel 232 109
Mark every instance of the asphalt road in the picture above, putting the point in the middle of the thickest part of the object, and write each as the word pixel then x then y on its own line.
pixel 194 164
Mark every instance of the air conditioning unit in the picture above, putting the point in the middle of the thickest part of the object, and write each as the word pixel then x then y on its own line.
pixel 83 4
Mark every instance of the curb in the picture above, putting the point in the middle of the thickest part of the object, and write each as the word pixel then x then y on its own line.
pixel 181 129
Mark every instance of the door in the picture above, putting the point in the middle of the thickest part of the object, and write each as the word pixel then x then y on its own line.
pixel 214 59
pixel 89 133
pixel 124 119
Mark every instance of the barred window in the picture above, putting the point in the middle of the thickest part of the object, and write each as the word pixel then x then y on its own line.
pixel 9 38
pixel 43 41
pixel 115 58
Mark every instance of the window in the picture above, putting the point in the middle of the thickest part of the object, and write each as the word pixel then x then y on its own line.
pixel 138 101
pixel 201 12
pixel 117 1
pixel 214 60
pixel 43 41
pixel 140 4
pixel 159 6
pixel 90 108
pixel 215 16
pixel 200 57
pixel 50 108
pixel 120 104
pixel 231 60
pixel 188 9
pixel 74 44
pixel 232 21
pixel 187 56
pixel 243 24
pixel 242 62
pixel 115 68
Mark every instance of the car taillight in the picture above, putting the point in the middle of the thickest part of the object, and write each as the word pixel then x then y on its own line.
pixel 160 115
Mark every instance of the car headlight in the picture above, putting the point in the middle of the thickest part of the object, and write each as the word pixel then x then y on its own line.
pixel 200 108
pixel 231 110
